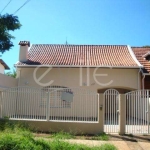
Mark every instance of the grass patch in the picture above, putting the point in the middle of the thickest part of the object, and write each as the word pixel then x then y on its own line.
pixel 10 126
pixel 62 135
pixel 21 142
pixel 18 136
pixel 101 136
pixel 56 145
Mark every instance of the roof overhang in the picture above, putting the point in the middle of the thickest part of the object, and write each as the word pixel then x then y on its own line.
pixel 4 64
pixel 75 66
pixel 133 56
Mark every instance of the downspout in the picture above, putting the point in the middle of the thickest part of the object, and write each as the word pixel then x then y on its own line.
pixel 143 82
pixel 142 78
pixel 18 75
pixel 138 80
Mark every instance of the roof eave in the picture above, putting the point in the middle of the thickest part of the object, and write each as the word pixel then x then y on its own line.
pixel 74 66
pixel 133 56
pixel 4 64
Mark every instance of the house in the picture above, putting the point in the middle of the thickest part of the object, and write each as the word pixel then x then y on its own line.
pixel 143 56
pixel 79 88
pixel 96 67
pixel 3 66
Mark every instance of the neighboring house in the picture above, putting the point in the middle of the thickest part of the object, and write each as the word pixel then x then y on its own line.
pixel 5 81
pixel 3 66
pixel 96 67
pixel 143 56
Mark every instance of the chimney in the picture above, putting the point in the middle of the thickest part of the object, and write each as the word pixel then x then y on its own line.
pixel 23 54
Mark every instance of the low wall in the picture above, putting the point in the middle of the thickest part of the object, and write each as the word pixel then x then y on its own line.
pixel 73 127
pixel 6 81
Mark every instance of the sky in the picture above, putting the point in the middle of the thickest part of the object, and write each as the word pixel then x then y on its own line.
pixel 95 22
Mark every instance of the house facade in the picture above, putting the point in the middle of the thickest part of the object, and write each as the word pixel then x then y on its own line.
pixel 94 67
pixel 79 88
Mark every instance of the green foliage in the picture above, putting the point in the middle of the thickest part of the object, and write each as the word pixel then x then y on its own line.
pixel 21 142
pixel 11 74
pixel 57 144
pixel 101 136
pixel 9 126
pixel 147 46
pixel 17 136
pixel 8 22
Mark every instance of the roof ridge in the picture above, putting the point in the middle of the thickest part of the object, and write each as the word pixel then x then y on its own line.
pixel 80 44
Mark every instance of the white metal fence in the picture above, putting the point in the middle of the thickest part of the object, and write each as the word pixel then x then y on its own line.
pixel 50 104
pixel 111 100
pixel 138 112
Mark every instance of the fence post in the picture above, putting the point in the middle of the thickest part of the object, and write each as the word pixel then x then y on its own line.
pixel 48 106
pixel 122 114
pixel 101 112
pixel 148 115
pixel 0 104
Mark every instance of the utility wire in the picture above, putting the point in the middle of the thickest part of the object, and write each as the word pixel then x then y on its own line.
pixel 21 7
pixel 5 6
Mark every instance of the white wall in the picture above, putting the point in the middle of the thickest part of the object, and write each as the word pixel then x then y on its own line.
pixel 2 69
pixel 6 82
pixel 71 77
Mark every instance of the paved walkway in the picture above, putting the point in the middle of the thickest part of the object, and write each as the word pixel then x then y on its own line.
pixel 121 145
pixel 121 142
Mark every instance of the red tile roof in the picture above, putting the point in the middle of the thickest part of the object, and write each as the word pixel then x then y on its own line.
pixel 80 55
pixel 140 52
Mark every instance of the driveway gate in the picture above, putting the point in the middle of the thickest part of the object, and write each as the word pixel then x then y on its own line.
pixel 138 112
pixel 111 101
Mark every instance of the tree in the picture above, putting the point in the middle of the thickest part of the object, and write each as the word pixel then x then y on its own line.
pixel 7 23
pixel 147 46
pixel 12 74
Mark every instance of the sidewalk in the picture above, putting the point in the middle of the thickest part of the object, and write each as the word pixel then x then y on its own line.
pixel 136 142
pixel 121 145
pixel 125 142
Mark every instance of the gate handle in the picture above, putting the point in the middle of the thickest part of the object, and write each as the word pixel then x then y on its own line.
pixel 117 111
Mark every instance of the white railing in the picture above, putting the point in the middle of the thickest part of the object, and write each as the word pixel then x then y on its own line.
pixel 50 104
pixel 138 112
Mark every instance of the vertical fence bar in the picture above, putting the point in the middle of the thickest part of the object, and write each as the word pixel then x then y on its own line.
pixel 109 113
pixel 98 108
pixel 1 104
pixel 47 106
pixel 147 100
pixel 148 111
